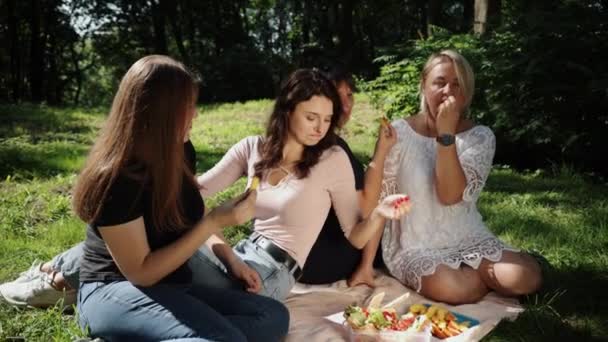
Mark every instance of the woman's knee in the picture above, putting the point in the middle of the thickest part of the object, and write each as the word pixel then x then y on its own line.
pixel 517 274
pixel 454 286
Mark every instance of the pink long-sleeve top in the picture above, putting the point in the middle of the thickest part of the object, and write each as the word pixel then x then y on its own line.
pixel 291 213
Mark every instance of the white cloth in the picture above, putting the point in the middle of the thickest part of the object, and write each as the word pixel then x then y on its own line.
pixel 431 233
pixel 316 310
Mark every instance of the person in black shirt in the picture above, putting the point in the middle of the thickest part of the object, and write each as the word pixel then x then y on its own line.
pixel 146 218
pixel 332 257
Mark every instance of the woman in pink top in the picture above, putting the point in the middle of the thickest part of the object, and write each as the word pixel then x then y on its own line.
pixel 302 175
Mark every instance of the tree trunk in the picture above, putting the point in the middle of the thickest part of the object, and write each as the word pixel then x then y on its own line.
pixel 54 88
pixel 191 32
pixel 36 67
pixel 467 15
pixel 346 30
pixel 306 22
pixel 158 23
pixel 487 15
pixel 325 15
pixel 170 8
pixel 433 15
pixel 13 35
pixel 422 9
pixel 217 34
pixel 280 11
pixel 296 42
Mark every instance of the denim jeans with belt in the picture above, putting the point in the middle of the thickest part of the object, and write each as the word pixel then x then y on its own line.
pixel 120 311
pixel 207 269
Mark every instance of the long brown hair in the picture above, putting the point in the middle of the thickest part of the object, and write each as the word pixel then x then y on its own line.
pixel 300 86
pixel 143 138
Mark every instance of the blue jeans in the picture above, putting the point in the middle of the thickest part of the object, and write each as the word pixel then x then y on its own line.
pixel 207 269
pixel 120 311
pixel 68 263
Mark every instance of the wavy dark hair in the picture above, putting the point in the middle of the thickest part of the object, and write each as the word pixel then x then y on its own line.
pixel 300 86
pixel 339 74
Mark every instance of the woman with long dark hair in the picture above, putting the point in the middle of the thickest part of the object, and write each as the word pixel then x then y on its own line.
pixel 303 173
pixel 146 218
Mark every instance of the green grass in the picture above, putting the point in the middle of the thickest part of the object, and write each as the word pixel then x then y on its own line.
pixel 557 214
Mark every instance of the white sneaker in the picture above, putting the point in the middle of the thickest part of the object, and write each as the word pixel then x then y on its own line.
pixel 32 272
pixel 36 291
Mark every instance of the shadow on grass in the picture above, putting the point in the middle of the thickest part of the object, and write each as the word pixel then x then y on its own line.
pixel 38 120
pixel 584 203
pixel 572 305
pixel 573 189
pixel 37 141
pixel 31 161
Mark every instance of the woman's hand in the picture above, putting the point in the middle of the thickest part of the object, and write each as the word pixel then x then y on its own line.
pixel 393 207
pixel 448 116
pixel 387 137
pixel 241 271
pixel 235 211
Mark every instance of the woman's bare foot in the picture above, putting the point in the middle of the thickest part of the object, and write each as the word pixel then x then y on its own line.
pixel 362 275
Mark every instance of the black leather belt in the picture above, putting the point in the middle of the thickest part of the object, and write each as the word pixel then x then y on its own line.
pixel 278 254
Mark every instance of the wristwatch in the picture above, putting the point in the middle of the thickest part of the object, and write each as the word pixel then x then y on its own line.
pixel 446 139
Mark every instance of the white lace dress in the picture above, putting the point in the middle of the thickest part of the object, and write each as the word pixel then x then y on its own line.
pixel 432 233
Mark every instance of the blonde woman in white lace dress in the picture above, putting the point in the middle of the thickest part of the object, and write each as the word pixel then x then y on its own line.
pixel 442 249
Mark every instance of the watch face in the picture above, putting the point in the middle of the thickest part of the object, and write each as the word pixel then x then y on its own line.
pixel 446 139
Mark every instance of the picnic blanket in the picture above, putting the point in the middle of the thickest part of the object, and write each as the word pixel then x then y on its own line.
pixel 312 306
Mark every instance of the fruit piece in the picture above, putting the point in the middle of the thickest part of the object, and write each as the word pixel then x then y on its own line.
pixel 255 182
pixel 417 309
pixel 437 332
pixel 408 316
pixel 441 313
pixel 420 323
pixel 453 325
pixel 395 302
pixel 376 300
pixel 451 331
pixel 430 312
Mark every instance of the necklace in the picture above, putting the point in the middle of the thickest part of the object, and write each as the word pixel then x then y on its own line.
pixel 288 165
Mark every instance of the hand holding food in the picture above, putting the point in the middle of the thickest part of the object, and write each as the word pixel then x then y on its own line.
pixel 394 206
pixel 387 137
pixel 255 182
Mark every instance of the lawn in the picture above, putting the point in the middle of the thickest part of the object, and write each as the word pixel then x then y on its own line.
pixel 556 213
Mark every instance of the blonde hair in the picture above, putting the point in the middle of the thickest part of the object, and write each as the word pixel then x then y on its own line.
pixel 464 73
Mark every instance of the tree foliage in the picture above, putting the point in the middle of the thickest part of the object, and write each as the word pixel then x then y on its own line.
pixel 540 65
pixel 540 83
